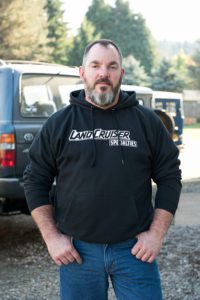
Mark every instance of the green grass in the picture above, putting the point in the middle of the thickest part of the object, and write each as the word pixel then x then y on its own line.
pixel 195 125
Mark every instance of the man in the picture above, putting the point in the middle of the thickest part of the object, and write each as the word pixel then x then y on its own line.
pixel 104 149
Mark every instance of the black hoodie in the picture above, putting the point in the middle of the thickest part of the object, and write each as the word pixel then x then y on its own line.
pixel 103 162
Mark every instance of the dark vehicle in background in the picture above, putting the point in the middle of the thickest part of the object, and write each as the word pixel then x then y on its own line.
pixel 171 104
pixel 164 109
pixel 144 94
pixel 29 93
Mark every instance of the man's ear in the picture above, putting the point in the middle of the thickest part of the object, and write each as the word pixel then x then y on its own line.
pixel 81 72
pixel 123 72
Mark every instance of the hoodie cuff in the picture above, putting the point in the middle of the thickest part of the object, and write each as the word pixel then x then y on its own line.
pixel 167 198
pixel 37 200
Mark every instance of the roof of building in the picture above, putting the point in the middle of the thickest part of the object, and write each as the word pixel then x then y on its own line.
pixel 191 95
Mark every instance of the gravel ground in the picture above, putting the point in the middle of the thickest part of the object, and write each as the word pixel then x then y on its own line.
pixel 27 273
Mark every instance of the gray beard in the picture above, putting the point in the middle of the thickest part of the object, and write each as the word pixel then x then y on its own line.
pixel 102 99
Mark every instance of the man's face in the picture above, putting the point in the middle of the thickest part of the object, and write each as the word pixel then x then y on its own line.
pixel 102 74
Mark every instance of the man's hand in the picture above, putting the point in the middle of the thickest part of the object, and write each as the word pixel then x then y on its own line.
pixel 148 246
pixel 150 242
pixel 61 249
pixel 60 246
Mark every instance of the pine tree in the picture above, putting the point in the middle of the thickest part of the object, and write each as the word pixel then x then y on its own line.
pixel 194 67
pixel 124 27
pixel 166 78
pixel 134 72
pixel 85 35
pixel 99 15
pixel 23 30
pixel 57 32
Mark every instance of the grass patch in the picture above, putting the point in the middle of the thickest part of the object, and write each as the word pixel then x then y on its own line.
pixel 195 125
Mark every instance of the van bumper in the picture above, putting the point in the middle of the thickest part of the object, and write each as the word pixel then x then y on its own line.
pixel 11 188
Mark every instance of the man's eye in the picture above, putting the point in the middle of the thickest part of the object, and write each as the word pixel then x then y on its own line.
pixel 113 67
pixel 94 66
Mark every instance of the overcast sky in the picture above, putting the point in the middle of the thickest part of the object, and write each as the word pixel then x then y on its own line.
pixel 175 20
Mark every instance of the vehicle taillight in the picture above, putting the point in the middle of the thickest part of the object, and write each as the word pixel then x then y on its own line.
pixel 7 150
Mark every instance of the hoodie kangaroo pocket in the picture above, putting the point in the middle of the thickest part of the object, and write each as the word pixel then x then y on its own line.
pixel 100 217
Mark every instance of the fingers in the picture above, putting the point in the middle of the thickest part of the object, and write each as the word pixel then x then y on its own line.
pixel 62 251
pixel 64 259
pixel 76 255
pixel 58 261
pixel 147 247
pixel 135 249
pixel 147 257
pixel 143 253
pixel 70 255
pixel 151 259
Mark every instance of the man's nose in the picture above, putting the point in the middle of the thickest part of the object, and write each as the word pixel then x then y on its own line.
pixel 104 72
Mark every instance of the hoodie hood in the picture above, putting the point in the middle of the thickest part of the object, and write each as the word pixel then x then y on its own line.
pixel 126 99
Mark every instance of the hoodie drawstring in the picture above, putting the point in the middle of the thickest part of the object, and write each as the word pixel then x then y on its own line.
pixel 117 128
pixel 93 162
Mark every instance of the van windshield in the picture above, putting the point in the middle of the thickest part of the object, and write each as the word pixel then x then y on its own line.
pixel 42 95
pixel 169 105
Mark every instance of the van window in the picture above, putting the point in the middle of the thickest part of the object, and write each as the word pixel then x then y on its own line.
pixel 65 91
pixel 42 95
pixel 32 92
pixel 170 106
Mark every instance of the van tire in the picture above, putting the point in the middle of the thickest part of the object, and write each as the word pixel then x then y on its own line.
pixel 167 120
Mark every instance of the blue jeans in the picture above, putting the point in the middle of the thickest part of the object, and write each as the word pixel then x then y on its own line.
pixel 131 278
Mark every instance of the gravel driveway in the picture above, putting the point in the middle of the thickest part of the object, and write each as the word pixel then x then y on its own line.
pixel 27 272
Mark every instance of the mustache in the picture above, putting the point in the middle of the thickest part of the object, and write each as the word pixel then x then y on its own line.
pixel 104 80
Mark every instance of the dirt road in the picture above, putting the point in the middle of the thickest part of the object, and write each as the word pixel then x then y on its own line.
pixel 190 154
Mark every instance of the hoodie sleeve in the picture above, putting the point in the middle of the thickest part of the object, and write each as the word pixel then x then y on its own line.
pixel 165 169
pixel 41 171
